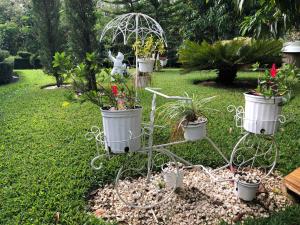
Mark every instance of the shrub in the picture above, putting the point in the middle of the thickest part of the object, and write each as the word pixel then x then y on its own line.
pixel 3 55
pixel 24 55
pixel 228 56
pixel 35 61
pixel 10 59
pixel 6 71
pixel 22 63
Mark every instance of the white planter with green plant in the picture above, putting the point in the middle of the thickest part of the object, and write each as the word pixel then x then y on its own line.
pixel 187 116
pixel 121 115
pixel 145 50
pixel 264 104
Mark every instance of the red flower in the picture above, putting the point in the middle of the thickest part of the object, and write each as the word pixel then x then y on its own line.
pixel 273 70
pixel 114 90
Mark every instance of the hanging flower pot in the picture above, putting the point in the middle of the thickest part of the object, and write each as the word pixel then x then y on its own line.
pixel 194 131
pixel 163 61
pixel 122 130
pixel 146 65
pixel 261 114
pixel 246 191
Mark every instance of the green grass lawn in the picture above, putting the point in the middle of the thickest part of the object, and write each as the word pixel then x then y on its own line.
pixel 45 158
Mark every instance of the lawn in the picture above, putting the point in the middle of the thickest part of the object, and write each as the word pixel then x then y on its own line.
pixel 45 159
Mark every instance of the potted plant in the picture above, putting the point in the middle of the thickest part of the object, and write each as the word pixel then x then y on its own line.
pixel 188 116
pixel 263 105
pixel 247 185
pixel 121 115
pixel 145 50
pixel 163 60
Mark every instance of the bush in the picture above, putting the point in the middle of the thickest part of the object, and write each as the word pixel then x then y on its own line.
pixel 228 56
pixel 3 55
pixel 10 59
pixel 24 55
pixel 22 63
pixel 35 61
pixel 6 71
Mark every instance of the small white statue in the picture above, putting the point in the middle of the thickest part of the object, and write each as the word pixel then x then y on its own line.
pixel 119 67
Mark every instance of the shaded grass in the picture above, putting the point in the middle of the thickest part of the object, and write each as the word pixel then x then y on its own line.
pixel 45 158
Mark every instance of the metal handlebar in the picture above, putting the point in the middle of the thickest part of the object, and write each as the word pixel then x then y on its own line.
pixel 155 91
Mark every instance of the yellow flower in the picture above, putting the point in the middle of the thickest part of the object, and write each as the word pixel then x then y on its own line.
pixel 65 104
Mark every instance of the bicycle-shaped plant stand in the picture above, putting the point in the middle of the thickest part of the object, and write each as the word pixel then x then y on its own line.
pixel 155 191
pixel 250 150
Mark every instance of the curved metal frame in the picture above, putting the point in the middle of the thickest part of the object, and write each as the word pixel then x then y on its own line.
pixel 259 151
pixel 134 25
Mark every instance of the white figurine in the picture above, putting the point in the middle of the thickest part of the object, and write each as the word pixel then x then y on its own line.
pixel 119 67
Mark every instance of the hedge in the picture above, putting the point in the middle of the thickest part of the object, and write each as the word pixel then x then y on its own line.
pixel 24 55
pixel 6 72
pixel 22 63
pixel 3 54
pixel 35 61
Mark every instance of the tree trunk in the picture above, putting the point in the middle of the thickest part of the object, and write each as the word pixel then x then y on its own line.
pixel 226 75
pixel 91 77
pixel 58 78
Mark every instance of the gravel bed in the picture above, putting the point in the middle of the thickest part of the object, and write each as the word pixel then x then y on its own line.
pixel 199 201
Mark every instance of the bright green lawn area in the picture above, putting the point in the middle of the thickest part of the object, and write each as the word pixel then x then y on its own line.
pixel 45 159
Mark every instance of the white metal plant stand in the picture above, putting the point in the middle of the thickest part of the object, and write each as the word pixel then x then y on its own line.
pixel 133 26
pixel 254 150
pixel 157 156
pixel 251 150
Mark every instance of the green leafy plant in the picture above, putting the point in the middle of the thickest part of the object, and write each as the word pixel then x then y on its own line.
pixel 278 82
pixel 113 92
pixel 183 112
pixel 227 56
pixel 149 47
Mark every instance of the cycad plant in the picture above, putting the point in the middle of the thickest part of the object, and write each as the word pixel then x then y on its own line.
pixel 228 56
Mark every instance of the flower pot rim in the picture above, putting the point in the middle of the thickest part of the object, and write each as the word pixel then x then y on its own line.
pixel 106 109
pixel 196 124
pixel 144 60
pixel 261 96
pixel 248 184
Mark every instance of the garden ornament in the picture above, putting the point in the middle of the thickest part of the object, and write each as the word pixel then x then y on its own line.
pixel 119 67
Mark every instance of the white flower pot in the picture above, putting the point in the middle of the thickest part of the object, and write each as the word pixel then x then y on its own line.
pixel 146 65
pixel 246 191
pixel 195 130
pixel 143 81
pixel 261 114
pixel 171 178
pixel 163 62
pixel 122 130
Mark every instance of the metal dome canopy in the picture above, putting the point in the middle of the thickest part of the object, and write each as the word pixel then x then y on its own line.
pixel 133 25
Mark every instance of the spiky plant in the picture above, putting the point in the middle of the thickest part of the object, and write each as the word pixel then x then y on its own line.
pixel 183 112
pixel 228 56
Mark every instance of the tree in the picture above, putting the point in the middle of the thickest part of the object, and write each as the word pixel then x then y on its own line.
pixel 277 15
pixel 81 21
pixel 16 26
pixel 47 22
pixel 227 56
